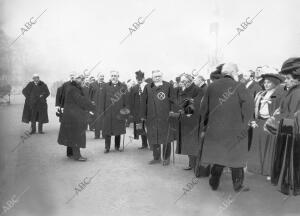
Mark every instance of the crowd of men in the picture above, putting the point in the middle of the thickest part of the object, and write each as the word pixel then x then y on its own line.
pixel 248 121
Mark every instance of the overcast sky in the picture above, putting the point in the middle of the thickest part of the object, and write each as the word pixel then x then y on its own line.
pixel 175 38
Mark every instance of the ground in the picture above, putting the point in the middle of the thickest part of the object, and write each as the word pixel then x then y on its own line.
pixel 37 179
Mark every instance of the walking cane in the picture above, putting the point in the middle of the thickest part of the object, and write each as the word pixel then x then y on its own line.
pixel 123 141
pixel 124 137
pixel 173 152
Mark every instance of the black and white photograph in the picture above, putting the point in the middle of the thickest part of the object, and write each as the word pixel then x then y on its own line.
pixel 149 108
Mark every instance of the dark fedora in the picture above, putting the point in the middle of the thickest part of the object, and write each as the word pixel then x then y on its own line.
pixel 291 66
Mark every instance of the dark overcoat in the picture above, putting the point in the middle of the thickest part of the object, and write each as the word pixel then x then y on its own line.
pixel 73 123
pixel 254 88
pixel 35 107
pixel 225 111
pixel 58 101
pixel 188 127
pixel 58 97
pixel 63 93
pixel 96 97
pixel 135 98
pixel 156 105
pixel 114 99
pixel 286 164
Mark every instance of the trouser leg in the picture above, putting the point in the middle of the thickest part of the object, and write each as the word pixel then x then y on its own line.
pixel 156 152
pixel 97 132
pixel 192 161
pixel 117 141
pixel 216 173
pixel 135 135
pixel 33 126
pixel 144 141
pixel 69 151
pixel 217 170
pixel 167 151
pixel 107 141
pixel 76 152
pixel 237 175
pixel 40 127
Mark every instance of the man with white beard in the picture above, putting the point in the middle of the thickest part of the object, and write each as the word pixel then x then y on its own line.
pixel 156 106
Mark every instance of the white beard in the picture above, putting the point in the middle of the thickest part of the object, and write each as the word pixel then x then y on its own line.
pixel 158 83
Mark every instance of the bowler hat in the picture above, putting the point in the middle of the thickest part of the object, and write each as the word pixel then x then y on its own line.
pixel 139 75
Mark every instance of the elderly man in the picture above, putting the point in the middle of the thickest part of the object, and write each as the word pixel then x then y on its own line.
pixel 156 105
pixel 35 107
pixel 225 112
pixel 200 82
pixel 113 99
pixel 73 123
pixel 135 98
pixel 188 118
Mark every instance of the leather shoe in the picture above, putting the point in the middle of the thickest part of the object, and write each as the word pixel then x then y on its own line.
pixel 106 151
pixel 239 188
pixel 188 168
pixel 214 182
pixel 81 159
pixel 166 162
pixel 154 162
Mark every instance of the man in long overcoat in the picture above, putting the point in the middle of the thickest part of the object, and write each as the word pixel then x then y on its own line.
pixel 73 123
pixel 225 111
pixel 156 105
pixel 188 124
pixel 61 97
pixel 35 107
pixel 114 101
pixel 135 98
pixel 95 95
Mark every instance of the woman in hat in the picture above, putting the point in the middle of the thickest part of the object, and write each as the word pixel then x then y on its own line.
pixel 286 165
pixel 266 102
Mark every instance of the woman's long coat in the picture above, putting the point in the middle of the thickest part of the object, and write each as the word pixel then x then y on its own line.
pixel 155 107
pixel 114 99
pixel 225 111
pixel 285 171
pixel 35 107
pixel 73 122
